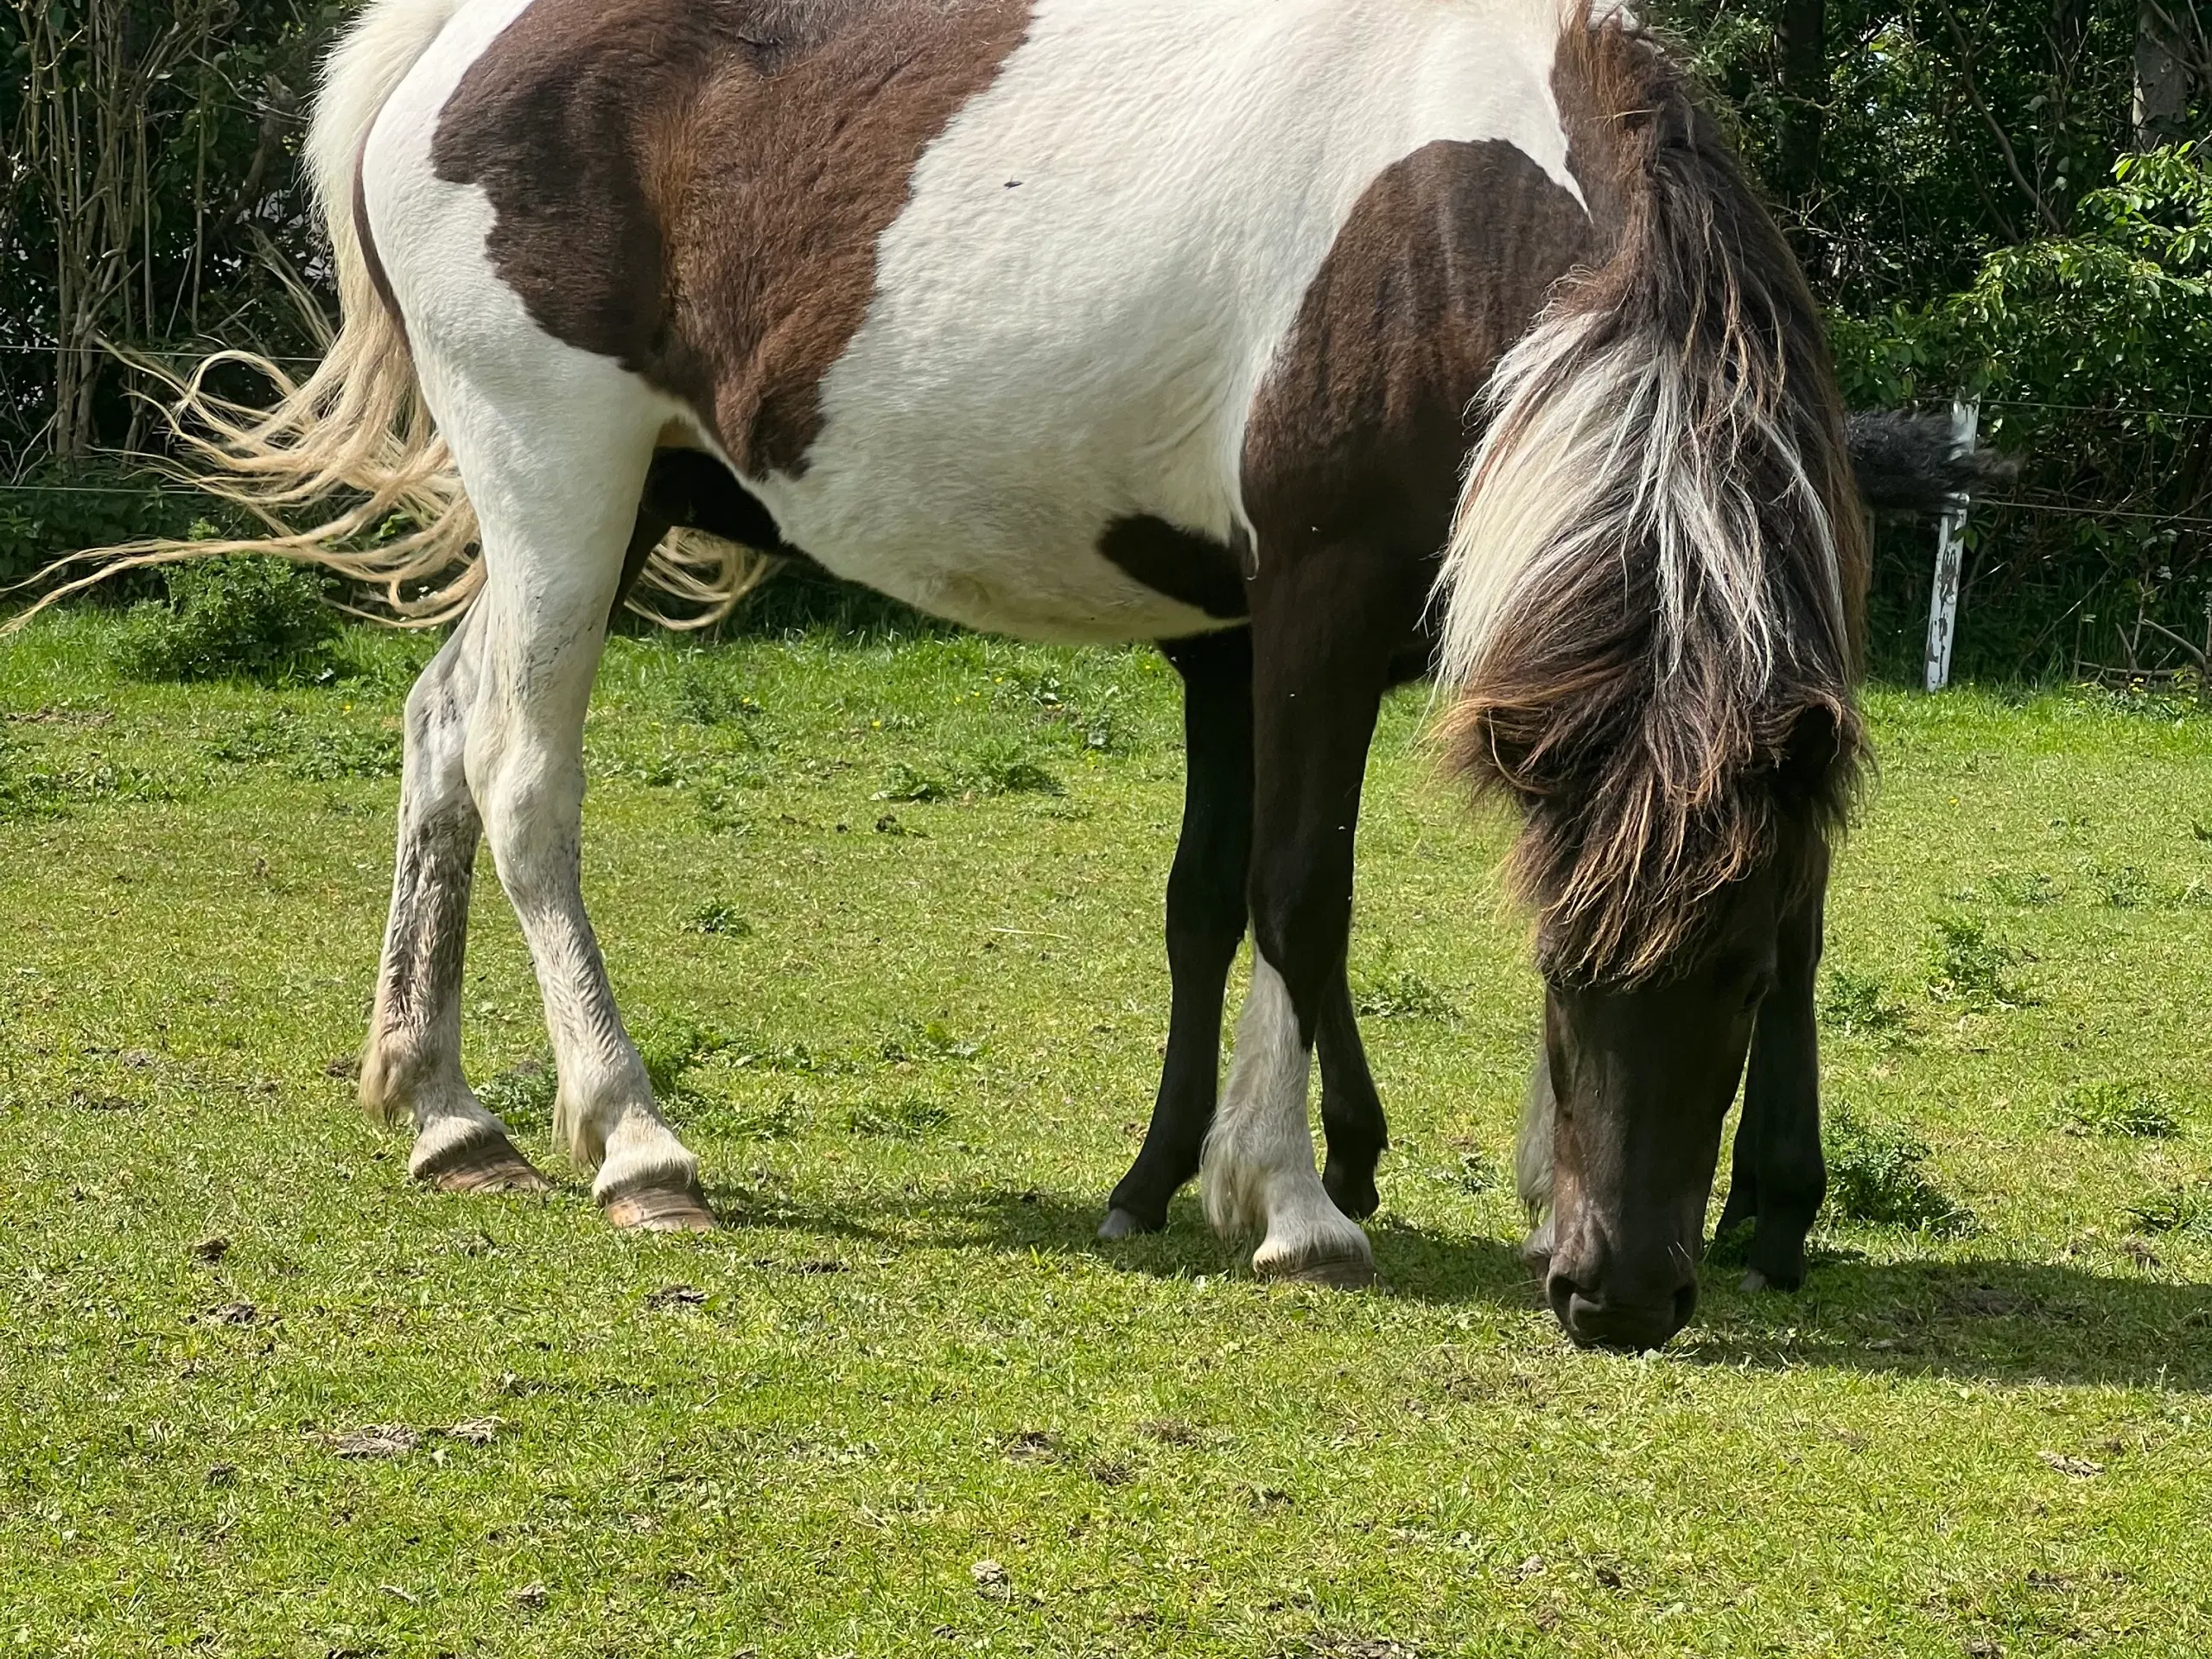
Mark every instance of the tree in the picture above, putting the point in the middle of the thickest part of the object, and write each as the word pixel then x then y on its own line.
pixel 2162 77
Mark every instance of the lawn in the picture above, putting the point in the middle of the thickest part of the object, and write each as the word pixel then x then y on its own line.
pixel 886 918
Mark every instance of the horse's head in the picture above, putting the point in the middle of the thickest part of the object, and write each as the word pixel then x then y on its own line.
pixel 1654 590
pixel 1650 1006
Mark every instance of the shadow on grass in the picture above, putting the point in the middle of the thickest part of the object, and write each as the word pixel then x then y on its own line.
pixel 2010 1322
pixel 1426 1266
pixel 2004 1322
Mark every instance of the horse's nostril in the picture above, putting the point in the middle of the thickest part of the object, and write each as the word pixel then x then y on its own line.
pixel 1685 1304
pixel 1561 1292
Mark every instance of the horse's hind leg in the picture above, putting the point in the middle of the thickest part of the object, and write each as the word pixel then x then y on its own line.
pixel 411 1066
pixel 555 470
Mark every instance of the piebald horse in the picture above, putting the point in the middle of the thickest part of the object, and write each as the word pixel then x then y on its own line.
pixel 1324 342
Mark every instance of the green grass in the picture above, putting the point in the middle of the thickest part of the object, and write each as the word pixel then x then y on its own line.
pixel 885 921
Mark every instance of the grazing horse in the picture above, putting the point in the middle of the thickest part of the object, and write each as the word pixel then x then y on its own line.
pixel 1322 341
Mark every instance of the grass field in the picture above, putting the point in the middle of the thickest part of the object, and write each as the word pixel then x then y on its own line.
pixel 886 919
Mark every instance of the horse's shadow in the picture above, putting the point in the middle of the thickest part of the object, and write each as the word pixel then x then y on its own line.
pixel 1993 1321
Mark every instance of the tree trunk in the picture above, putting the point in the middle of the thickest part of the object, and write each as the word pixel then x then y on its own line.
pixel 1801 37
pixel 2161 77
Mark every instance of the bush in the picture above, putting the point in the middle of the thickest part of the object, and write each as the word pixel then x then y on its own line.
pixel 906 1120
pixel 1402 993
pixel 315 751
pixel 522 1096
pixel 1876 1178
pixel 2087 347
pixel 2118 1109
pixel 1858 1004
pixel 2186 1209
pixel 1967 966
pixel 258 619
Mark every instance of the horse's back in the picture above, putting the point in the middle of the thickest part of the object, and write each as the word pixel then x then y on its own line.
pixel 963 288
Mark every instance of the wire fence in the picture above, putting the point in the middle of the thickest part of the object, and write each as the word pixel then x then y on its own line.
pixel 2081 608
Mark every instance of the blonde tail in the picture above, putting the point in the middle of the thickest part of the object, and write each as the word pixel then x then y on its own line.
pixel 357 429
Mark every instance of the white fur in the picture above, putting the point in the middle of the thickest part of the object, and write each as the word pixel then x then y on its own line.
pixel 1101 255
pixel 412 1063
pixel 1258 1173
pixel 372 57
pixel 552 444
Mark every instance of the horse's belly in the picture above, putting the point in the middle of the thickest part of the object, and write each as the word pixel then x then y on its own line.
pixel 961 551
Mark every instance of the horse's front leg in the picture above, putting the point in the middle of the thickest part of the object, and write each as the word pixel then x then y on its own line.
pixel 1777 1176
pixel 411 1065
pixel 1325 623
pixel 1353 1124
pixel 1532 1160
pixel 1206 920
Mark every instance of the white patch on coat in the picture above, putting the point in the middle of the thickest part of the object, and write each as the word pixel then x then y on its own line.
pixel 373 56
pixel 1257 1174
pixel 1101 255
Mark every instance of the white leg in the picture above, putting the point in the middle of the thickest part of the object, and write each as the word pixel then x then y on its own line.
pixel 411 1066
pixel 1257 1172
pixel 555 467
pixel 1532 1159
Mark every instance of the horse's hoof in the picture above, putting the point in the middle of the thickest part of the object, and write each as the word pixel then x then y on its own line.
pixel 1341 1273
pixel 660 1210
pixel 1121 1224
pixel 490 1165
pixel 1754 1281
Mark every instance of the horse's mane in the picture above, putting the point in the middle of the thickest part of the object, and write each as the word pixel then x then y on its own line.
pixel 1657 577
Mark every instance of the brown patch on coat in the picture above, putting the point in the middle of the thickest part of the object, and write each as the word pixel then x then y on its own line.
pixel 1654 773
pixel 695 188
pixel 1360 430
pixel 1189 567
pixel 1350 470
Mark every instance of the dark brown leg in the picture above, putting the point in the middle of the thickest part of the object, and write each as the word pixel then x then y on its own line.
pixel 1206 920
pixel 1327 622
pixel 1778 1177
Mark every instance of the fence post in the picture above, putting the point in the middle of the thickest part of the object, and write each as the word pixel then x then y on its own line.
pixel 1943 600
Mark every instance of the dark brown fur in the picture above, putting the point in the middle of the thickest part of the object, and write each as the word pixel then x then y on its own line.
pixel 1444 262
pixel 1648 788
pixel 695 188
pixel 1200 571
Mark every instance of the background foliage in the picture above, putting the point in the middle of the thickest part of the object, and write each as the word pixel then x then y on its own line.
pixel 2003 200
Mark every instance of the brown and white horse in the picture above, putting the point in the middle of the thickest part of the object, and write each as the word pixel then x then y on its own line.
pixel 1319 340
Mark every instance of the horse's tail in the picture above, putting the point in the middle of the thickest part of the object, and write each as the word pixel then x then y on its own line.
pixel 1659 550
pixel 356 434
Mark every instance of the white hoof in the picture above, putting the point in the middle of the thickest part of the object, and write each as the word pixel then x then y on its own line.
pixel 642 1155
pixel 1339 1256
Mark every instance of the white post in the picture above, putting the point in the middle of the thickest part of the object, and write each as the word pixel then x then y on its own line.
pixel 1943 601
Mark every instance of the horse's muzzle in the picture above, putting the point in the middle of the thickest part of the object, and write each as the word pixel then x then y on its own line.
pixel 1598 1321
